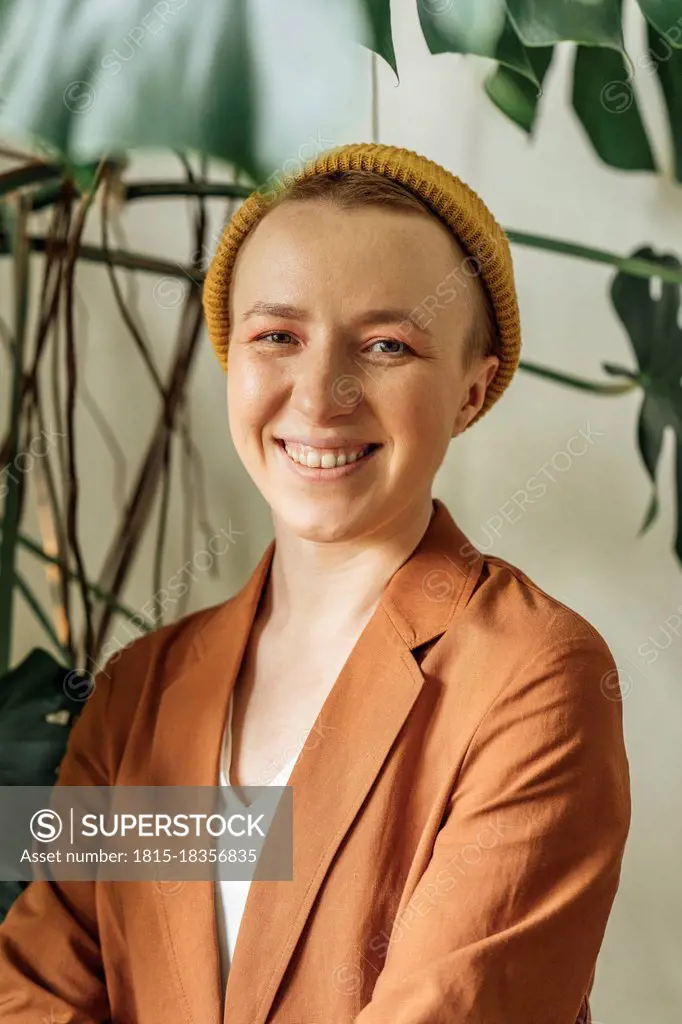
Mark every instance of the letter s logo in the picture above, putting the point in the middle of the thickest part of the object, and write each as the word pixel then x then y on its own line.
pixel 46 825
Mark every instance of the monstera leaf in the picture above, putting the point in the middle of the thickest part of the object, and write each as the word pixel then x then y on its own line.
pixel 39 702
pixel 668 63
pixel 606 104
pixel 85 78
pixel 652 322
pixel 479 27
pixel 253 84
pixel 514 94
pixel 520 35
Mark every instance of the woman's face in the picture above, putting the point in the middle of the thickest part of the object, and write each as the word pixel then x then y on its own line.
pixel 321 352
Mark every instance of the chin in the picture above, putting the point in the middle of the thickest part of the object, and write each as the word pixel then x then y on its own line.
pixel 323 522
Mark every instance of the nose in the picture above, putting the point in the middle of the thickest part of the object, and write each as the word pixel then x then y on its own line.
pixel 327 382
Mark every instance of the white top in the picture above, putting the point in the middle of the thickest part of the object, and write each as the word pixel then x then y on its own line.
pixel 231 894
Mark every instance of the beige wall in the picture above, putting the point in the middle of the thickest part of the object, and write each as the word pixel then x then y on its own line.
pixel 578 540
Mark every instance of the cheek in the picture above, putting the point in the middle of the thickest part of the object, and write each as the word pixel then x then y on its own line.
pixel 426 422
pixel 421 416
pixel 253 392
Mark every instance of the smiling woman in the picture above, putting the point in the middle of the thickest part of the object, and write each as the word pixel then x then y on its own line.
pixel 449 729
pixel 334 347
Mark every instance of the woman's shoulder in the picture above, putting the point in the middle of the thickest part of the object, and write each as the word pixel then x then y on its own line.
pixel 522 642
pixel 519 656
pixel 167 647
pixel 495 605
pixel 514 604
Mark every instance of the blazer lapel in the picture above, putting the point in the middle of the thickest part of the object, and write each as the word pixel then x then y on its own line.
pixel 363 714
pixel 186 750
pixel 353 733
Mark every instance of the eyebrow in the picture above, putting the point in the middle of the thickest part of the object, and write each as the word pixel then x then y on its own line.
pixel 289 312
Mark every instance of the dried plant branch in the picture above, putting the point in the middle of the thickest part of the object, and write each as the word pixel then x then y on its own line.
pixel 121 552
pixel 53 539
pixel 129 260
pixel 46 318
pixel 129 535
pixel 59 415
pixel 129 192
pixel 189 497
pixel 140 343
pixel 53 529
pixel 163 523
pixel 99 419
pixel 5 333
pixel 72 377
pixel 132 281
pixel 35 549
pixel 198 486
pixel 14 497
pixel 62 248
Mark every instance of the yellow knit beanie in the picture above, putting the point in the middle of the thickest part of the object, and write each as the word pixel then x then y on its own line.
pixel 451 200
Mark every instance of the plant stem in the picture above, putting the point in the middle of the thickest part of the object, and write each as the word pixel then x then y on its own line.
pixel 163 189
pixel 626 264
pixel 28 174
pixel 42 617
pixel 180 189
pixel 128 192
pixel 579 382
pixel 118 258
pixel 14 486
pixel 103 596
pixel 137 261
pixel 34 172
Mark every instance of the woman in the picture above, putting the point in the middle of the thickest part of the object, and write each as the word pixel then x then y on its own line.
pixel 461 786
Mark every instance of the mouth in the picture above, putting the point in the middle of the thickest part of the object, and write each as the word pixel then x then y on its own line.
pixel 326 464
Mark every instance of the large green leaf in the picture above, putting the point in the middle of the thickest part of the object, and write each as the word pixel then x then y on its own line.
pixel 514 94
pixel 520 34
pixel 543 22
pixel 39 702
pixel 668 63
pixel 650 429
pixel 666 16
pixel 605 101
pixel 252 84
pixel 481 27
pixel 379 12
pixel 31 745
pixel 655 334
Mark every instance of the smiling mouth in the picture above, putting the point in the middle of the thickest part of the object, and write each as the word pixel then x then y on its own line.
pixel 325 461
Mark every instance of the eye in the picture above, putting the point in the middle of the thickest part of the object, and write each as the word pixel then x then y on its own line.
pixel 392 341
pixel 273 334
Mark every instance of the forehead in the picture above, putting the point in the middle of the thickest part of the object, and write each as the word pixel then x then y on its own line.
pixel 317 246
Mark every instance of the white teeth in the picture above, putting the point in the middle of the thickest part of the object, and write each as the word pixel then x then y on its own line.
pixel 327 460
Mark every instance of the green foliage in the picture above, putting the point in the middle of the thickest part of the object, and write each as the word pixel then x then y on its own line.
pixel 39 701
pixel 652 324
pixel 72 73
pixel 520 35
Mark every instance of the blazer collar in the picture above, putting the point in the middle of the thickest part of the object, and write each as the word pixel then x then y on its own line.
pixel 422 597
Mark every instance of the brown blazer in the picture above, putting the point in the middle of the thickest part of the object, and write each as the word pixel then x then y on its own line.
pixel 460 813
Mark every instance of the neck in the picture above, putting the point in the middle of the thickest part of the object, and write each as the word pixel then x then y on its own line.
pixel 337 585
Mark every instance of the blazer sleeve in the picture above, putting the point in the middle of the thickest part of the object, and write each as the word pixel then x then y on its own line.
pixel 506 922
pixel 50 963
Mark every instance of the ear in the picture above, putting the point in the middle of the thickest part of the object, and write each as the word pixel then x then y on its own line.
pixel 474 392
